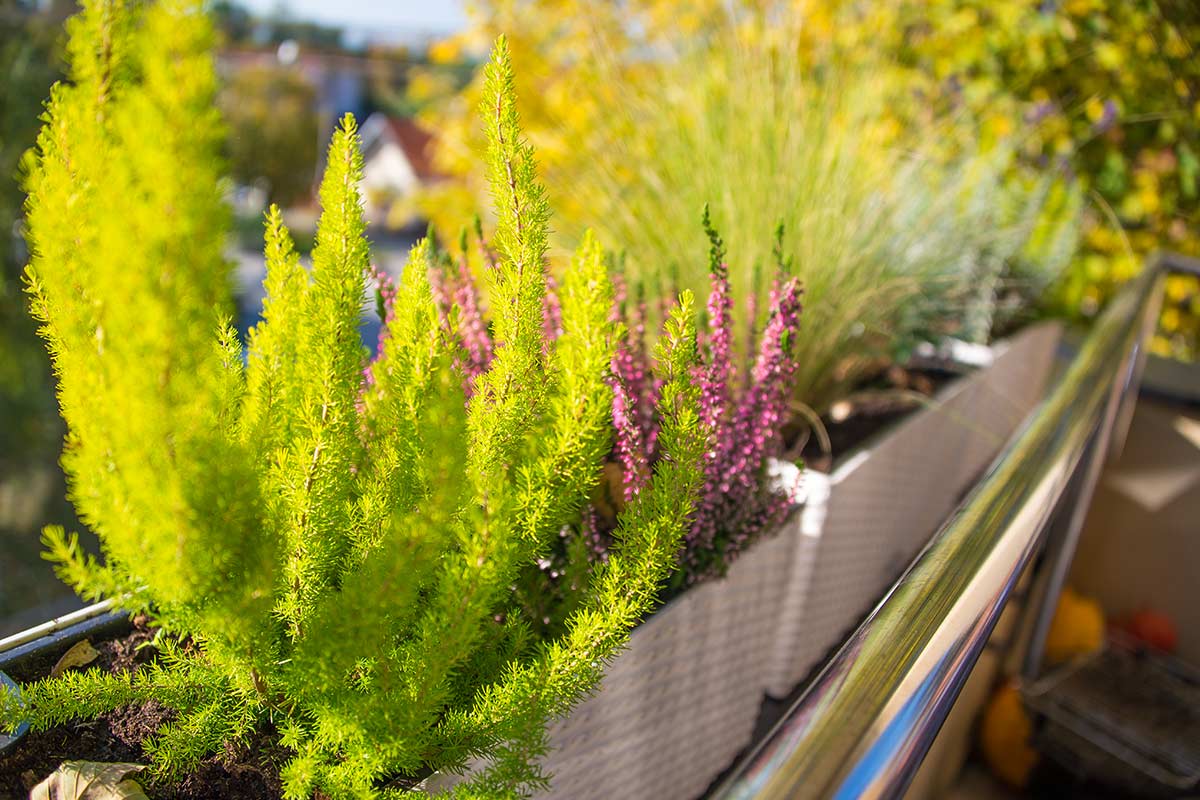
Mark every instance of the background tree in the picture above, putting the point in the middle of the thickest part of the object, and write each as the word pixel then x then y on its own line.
pixel 29 63
pixel 273 126
pixel 31 483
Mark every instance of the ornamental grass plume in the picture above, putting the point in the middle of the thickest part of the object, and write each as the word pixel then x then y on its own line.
pixel 327 560
pixel 908 220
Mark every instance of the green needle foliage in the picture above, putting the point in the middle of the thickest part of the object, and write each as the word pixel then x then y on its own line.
pixel 336 553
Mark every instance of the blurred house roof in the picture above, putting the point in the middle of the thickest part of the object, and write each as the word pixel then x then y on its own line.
pixel 413 140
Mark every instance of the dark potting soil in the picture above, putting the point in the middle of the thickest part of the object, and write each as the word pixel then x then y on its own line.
pixel 877 403
pixel 249 772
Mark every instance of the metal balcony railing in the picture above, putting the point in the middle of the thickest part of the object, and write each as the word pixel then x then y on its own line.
pixel 863 727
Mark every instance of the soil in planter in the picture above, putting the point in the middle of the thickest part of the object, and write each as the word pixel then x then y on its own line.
pixel 878 402
pixel 248 773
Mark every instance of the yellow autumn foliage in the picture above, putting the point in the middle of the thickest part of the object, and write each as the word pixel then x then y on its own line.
pixel 1107 89
pixel 899 214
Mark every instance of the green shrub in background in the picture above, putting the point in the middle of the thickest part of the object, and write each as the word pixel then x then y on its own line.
pixel 28 64
pixel 1110 88
pixel 273 131
pixel 341 554
pixel 31 482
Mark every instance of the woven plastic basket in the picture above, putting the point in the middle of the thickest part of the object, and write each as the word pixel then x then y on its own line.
pixel 865 522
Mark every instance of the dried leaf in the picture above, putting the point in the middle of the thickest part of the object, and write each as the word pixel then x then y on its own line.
pixel 81 653
pixel 90 780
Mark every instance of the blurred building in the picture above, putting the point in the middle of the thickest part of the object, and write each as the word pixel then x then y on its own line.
pixel 397 164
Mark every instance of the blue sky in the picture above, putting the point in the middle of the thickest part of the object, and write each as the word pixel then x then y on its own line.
pixel 377 18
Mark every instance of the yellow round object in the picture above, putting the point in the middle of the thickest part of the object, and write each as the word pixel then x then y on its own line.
pixel 1004 737
pixel 1077 628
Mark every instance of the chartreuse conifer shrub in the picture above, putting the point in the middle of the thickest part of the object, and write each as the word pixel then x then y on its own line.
pixel 336 551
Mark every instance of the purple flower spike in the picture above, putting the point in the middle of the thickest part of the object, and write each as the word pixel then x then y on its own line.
pixel 620 295
pixel 643 384
pixel 386 291
pixel 734 506
pixel 714 384
pixel 473 333
pixel 635 466
pixel 742 409
pixel 631 367
pixel 439 286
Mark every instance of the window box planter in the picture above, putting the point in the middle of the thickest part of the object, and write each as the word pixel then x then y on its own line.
pixel 32 653
pixel 868 518
pixel 677 706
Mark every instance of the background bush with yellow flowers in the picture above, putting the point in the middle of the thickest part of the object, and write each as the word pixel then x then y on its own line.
pixel 1105 89
pixel 903 221
pixel 1111 87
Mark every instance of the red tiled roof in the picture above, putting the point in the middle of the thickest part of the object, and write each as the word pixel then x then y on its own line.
pixel 417 144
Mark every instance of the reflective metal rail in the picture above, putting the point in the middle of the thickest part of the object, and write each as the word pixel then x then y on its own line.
pixel 865 724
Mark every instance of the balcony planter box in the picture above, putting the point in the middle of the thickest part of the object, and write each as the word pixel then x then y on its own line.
pixel 676 708
pixel 27 656
pixel 868 518
pixel 678 705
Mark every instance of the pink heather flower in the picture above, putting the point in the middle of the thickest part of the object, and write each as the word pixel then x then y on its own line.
pixel 439 286
pixel 762 411
pixel 473 332
pixel 387 289
pixel 631 454
pixel 631 367
pixel 597 540
pixel 643 384
pixel 620 295
pixel 734 506
pixel 743 411
pixel 715 396
pixel 459 310
pixel 751 329
pixel 715 388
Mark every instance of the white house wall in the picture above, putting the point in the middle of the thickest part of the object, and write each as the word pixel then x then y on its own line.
pixel 388 169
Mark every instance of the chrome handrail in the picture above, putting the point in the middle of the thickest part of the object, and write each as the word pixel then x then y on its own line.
pixel 864 726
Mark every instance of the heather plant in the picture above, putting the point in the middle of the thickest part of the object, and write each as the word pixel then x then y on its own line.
pixel 742 413
pixel 736 505
pixel 327 554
